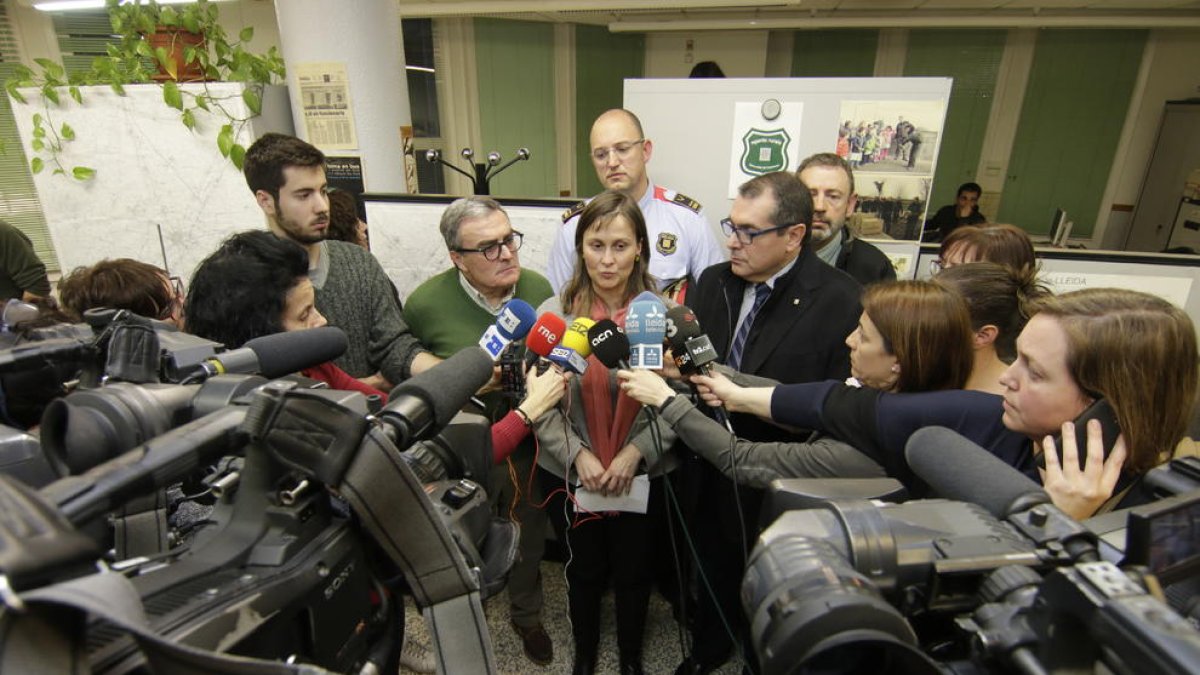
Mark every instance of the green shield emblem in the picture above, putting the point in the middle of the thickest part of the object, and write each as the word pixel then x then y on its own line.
pixel 764 151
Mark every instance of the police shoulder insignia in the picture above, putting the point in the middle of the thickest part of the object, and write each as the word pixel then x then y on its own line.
pixel 667 242
pixel 686 202
pixel 573 211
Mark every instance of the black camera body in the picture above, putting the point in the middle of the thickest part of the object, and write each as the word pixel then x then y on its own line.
pixel 854 585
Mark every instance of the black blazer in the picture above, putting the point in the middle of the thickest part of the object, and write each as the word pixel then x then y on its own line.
pixel 799 334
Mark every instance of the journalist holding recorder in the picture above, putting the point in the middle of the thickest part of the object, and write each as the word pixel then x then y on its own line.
pixel 1134 350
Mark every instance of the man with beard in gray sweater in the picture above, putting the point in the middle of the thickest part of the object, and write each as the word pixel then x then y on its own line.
pixel 287 177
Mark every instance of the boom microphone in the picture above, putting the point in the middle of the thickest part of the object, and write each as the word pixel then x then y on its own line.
pixel 609 344
pixel 959 469
pixel 277 355
pixel 425 403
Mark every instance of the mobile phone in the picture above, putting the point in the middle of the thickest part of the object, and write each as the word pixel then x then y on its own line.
pixel 1098 410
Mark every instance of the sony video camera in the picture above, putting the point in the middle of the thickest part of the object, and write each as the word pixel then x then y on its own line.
pixel 1007 584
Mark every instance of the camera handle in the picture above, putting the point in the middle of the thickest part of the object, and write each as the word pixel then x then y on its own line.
pixel 310 434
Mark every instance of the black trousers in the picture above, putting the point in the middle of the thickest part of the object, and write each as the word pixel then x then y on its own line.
pixel 721 539
pixel 619 547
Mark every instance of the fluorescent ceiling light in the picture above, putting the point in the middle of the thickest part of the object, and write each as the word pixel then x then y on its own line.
pixel 68 5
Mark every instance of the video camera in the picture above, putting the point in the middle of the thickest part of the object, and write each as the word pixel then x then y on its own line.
pixel 1005 584
pixel 321 510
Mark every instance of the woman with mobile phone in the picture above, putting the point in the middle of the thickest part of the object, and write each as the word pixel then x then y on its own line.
pixel 1133 349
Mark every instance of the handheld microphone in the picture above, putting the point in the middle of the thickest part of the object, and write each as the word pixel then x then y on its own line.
pixel 580 327
pixel 545 336
pixel 276 355
pixel 693 350
pixel 646 325
pixel 425 403
pixel 512 323
pixel 609 344
pixel 681 327
pixel 956 468
pixel 574 349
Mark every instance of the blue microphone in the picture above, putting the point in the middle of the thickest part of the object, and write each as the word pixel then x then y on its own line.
pixel 646 327
pixel 513 322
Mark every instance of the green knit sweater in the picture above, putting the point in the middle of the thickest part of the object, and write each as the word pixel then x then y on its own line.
pixel 445 319
pixel 358 298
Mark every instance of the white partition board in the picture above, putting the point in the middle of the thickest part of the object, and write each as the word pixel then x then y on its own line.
pixel 150 171
pixel 406 240
pixel 691 122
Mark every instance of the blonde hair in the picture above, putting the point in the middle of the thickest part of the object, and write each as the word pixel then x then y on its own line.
pixel 927 328
pixel 1139 352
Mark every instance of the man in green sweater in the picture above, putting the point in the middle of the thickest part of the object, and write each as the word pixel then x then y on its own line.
pixel 287 177
pixel 449 312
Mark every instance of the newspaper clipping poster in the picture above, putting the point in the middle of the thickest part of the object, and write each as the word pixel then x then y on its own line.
pixel 328 112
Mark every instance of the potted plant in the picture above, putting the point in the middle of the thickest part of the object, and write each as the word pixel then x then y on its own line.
pixel 154 43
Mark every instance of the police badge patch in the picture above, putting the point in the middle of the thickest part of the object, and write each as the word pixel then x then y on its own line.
pixel 666 243
pixel 764 151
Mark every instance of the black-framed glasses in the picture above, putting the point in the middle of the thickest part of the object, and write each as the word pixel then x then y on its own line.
pixel 492 251
pixel 746 235
pixel 622 150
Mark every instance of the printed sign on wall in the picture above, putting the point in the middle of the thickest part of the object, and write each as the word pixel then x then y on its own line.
pixel 765 139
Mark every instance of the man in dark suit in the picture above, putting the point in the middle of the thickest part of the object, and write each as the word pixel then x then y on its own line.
pixel 774 310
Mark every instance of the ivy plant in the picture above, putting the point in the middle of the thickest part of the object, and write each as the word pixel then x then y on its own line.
pixel 131 59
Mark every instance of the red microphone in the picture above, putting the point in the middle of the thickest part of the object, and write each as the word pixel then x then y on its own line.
pixel 543 337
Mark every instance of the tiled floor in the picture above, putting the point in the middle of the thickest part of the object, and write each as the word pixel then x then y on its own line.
pixel 661 646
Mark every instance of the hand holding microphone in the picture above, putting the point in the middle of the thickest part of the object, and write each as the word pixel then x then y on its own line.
pixel 543 391
pixel 645 387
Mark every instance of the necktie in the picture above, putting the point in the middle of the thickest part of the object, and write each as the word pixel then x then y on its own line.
pixel 761 293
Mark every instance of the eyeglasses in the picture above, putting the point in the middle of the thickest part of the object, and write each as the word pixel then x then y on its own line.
pixel 936 266
pixel 622 150
pixel 492 251
pixel 746 235
pixel 177 287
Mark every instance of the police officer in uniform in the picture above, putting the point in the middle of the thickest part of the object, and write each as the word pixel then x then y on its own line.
pixel 681 240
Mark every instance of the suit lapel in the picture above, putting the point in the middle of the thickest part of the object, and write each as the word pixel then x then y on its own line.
pixel 793 296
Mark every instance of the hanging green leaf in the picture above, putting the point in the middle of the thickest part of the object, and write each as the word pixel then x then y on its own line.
pixel 53 70
pixel 83 173
pixel 117 88
pixel 168 16
pixel 11 87
pixel 189 54
pixel 50 93
pixel 253 102
pixel 172 95
pixel 202 102
pixel 74 92
pixel 37 144
pixel 247 34
pixel 225 140
pixel 189 120
pixel 237 155
pixel 67 132
pixel 36 165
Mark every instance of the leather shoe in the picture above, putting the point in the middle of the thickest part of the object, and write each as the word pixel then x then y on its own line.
pixel 692 667
pixel 538 647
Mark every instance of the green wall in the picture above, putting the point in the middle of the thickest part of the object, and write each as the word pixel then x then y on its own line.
pixel 602 62
pixel 1075 105
pixel 834 53
pixel 972 58
pixel 515 62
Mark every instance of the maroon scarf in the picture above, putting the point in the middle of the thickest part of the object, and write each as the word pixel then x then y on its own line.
pixel 606 430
